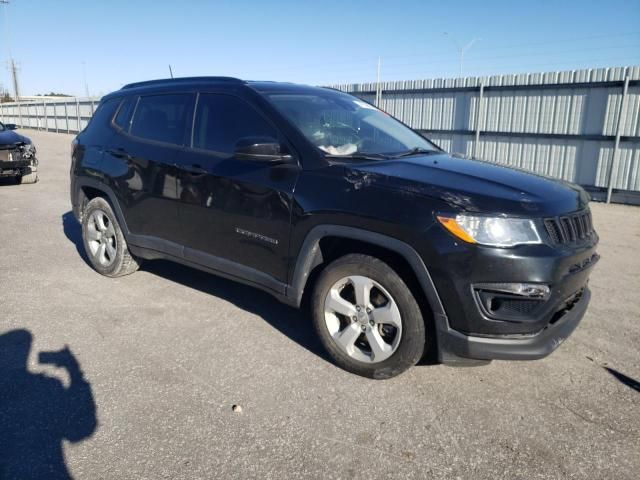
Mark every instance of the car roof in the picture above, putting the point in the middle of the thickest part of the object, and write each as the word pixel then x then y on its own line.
pixel 283 87
pixel 263 87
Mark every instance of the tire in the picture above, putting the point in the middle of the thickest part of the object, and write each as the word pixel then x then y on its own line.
pixel 28 178
pixel 104 242
pixel 389 316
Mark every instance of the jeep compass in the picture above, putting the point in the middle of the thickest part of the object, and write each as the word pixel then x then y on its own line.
pixel 401 251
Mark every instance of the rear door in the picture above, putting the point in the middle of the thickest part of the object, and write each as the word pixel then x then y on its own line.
pixel 231 209
pixel 143 155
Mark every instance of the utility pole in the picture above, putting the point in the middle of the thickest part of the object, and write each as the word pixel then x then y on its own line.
pixel 14 77
pixel 12 64
pixel 462 48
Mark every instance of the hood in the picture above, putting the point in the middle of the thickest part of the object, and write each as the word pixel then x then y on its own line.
pixel 473 185
pixel 10 137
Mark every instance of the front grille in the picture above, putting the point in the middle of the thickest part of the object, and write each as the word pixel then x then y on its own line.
pixel 570 228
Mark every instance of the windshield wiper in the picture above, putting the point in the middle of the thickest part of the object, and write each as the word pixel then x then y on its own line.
pixel 358 156
pixel 415 151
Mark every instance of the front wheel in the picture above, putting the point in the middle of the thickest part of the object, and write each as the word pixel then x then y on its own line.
pixel 104 241
pixel 366 317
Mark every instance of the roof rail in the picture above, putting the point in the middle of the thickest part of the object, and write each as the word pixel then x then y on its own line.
pixel 171 81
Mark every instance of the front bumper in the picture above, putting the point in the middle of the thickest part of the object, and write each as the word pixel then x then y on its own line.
pixel 456 346
pixel 20 167
pixel 472 328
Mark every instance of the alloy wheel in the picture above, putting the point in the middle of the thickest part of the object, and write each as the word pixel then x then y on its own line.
pixel 363 319
pixel 101 238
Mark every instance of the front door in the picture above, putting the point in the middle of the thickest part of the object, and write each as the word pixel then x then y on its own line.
pixel 234 214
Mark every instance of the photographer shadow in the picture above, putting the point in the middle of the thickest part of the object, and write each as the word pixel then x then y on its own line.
pixel 38 412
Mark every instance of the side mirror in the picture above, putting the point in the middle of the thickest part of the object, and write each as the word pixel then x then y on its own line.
pixel 260 149
pixel 10 126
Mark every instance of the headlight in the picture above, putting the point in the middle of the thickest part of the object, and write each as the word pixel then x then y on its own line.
pixel 492 231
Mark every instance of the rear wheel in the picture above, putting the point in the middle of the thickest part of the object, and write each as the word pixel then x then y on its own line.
pixel 104 242
pixel 367 318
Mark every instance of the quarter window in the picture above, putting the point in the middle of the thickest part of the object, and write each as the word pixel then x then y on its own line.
pixel 221 120
pixel 163 118
pixel 123 116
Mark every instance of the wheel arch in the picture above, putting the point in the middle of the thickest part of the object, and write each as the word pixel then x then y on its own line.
pixel 324 243
pixel 86 189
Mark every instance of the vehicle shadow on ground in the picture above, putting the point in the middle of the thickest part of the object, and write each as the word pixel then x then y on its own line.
pixel 73 231
pixel 294 323
pixel 38 412
pixel 291 322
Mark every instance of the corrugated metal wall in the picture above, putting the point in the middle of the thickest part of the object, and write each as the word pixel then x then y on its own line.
pixel 561 124
pixel 68 115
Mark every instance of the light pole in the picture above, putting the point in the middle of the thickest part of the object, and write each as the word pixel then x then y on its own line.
pixel 84 77
pixel 462 48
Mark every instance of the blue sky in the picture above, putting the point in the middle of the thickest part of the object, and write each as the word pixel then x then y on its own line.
pixel 315 42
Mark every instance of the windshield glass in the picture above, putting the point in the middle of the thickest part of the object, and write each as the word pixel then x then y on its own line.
pixel 340 124
pixel 2 127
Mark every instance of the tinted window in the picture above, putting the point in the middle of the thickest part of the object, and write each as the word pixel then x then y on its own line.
pixel 103 114
pixel 221 120
pixel 123 116
pixel 164 118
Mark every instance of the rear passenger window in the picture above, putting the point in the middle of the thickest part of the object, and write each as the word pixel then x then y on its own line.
pixel 164 118
pixel 221 120
pixel 123 116
pixel 103 114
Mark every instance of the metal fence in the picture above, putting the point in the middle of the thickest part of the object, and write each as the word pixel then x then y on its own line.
pixel 582 126
pixel 67 115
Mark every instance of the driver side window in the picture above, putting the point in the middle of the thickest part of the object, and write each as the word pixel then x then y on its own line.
pixel 221 120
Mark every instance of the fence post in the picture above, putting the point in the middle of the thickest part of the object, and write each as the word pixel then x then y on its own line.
pixel 616 143
pixel 55 116
pixel 378 86
pixel 78 114
pixel 46 120
pixel 66 115
pixel 478 117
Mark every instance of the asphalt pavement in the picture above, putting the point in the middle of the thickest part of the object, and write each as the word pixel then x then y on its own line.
pixel 164 354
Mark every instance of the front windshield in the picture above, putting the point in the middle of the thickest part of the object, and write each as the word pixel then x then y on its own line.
pixel 342 125
pixel 2 127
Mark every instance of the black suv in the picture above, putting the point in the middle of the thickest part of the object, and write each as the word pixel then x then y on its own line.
pixel 402 251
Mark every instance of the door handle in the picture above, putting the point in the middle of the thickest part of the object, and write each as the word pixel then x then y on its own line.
pixel 120 153
pixel 194 168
